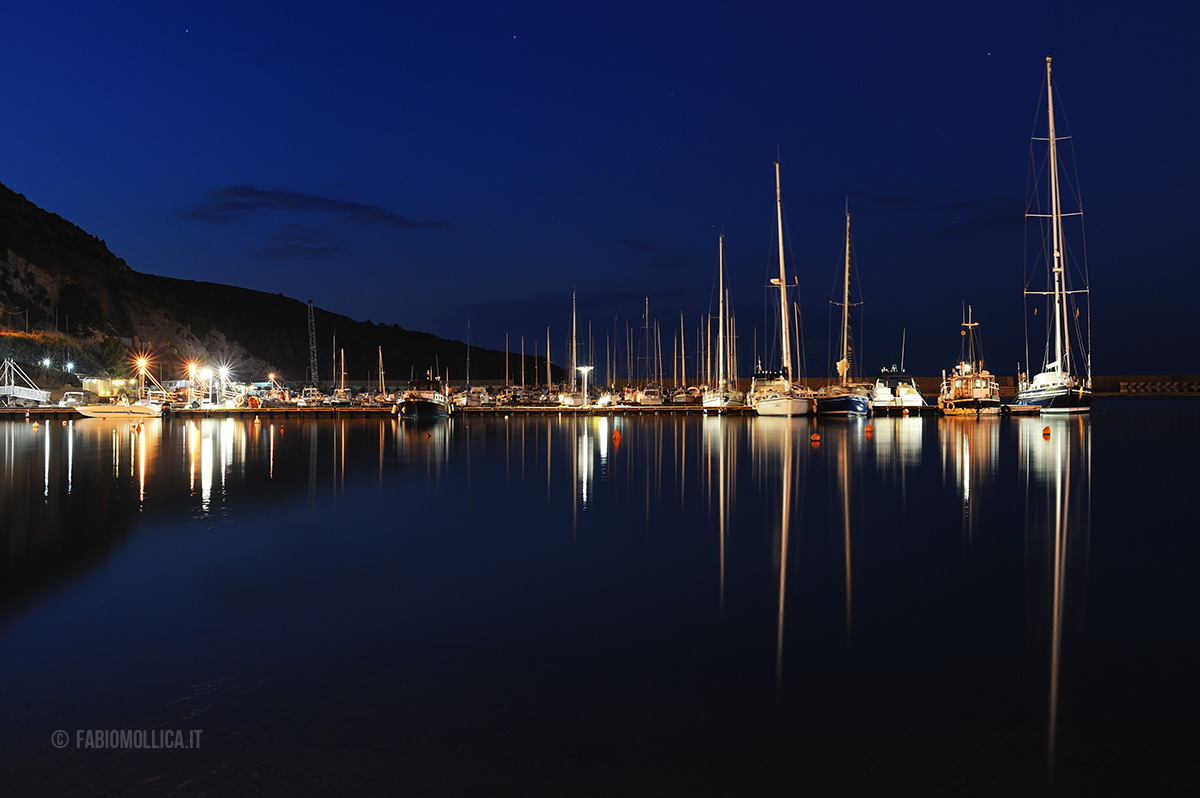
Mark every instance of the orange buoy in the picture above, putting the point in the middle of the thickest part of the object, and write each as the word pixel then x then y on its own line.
pixel 1045 432
pixel 815 437
pixel 616 436
pixel 868 429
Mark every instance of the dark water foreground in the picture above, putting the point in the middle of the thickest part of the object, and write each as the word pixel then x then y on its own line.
pixel 538 606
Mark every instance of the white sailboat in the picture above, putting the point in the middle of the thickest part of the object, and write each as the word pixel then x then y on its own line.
pixel 845 398
pixel 724 393
pixel 1063 385
pixel 779 396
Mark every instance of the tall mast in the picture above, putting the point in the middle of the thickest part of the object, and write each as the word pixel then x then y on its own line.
pixel 1061 356
pixel 721 313
pixel 682 355
pixel 573 360
pixel 969 328
pixel 784 336
pixel 382 382
pixel 843 365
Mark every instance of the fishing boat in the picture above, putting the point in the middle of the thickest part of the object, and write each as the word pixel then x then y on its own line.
pixel 724 393
pixel 846 398
pixel 970 389
pixel 775 395
pixel 1064 384
pixel 122 409
pixel 425 398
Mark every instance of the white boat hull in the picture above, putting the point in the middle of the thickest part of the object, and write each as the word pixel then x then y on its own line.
pixel 119 411
pixel 784 406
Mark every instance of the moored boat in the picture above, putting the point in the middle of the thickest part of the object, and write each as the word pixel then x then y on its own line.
pixel 895 387
pixel 724 393
pixel 425 398
pixel 847 398
pixel 775 394
pixel 970 389
pixel 135 410
pixel 1063 385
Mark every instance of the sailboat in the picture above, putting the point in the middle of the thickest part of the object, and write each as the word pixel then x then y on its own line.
pixel 845 398
pixel 778 396
pixel 970 390
pixel 572 397
pixel 724 393
pixel 1062 386
pixel 341 394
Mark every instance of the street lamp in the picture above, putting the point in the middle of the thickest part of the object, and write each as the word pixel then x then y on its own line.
pixel 584 371
pixel 141 367
pixel 191 372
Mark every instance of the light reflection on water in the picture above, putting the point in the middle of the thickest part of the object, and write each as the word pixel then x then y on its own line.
pixel 875 582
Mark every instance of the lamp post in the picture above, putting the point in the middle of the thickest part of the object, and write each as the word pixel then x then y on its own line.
pixel 141 367
pixel 191 372
pixel 584 371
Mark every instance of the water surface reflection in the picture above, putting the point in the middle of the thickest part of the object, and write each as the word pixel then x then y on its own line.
pixel 618 597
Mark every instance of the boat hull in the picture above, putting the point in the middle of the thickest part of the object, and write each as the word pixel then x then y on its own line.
pixel 784 406
pixel 969 407
pixel 424 408
pixel 118 411
pixel 718 400
pixel 848 404
pixel 1058 399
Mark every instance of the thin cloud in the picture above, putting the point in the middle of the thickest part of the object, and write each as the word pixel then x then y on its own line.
pixel 637 245
pixel 991 214
pixel 287 251
pixel 904 202
pixel 299 241
pixel 236 202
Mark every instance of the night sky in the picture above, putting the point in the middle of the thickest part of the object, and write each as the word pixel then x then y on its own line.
pixel 440 164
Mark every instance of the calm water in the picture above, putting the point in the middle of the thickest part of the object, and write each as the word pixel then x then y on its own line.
pixel 540 606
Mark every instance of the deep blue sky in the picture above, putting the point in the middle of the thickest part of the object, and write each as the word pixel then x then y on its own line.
pixel 434 164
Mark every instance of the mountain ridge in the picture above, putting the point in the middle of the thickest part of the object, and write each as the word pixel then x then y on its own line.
pixel 56 274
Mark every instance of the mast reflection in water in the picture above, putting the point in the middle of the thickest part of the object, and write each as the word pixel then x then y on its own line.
pixel 601 604
pixel 1057 475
